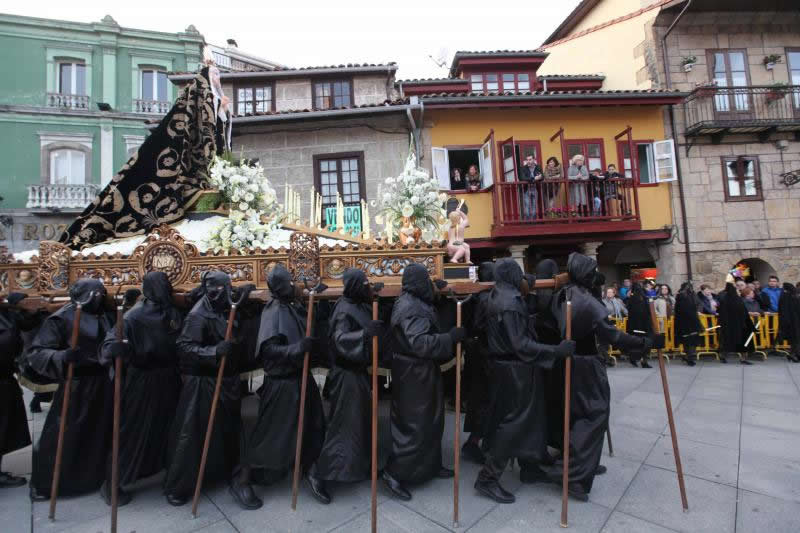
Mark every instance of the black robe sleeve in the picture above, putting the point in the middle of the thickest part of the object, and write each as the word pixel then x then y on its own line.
pixel 278 355
pixel 525 347
pixel 610 334
pixel 350 342
pixel 436 346
pixel 191 348
pixel 46 354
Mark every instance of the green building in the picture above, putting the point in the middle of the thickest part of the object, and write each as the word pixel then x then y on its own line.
pixel 73 106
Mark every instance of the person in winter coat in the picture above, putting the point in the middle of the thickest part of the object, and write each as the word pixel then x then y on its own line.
pixel 639 322
pixel 664 303
pixel 688 328
pixel 736 324
pixel 789 323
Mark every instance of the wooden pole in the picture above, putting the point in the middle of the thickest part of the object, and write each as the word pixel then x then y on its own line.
pixel 375 423
pixel 567 397
pixel 301 415
pixel 671 419
pixel 457 434
pixel 76 329
pixel 608 436
pixel 214 402
pixel 115 430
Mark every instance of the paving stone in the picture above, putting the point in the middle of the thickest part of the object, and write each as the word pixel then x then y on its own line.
pixel 781 388
pixel 771 418
pixel 772 401
pixel 18 462
pixel 654 496
pixel 771 442
pixel 706 461
pixel 708 421
pixel 629 442
pixel 757 512
pixel 223 526
pixel 15 509
pixel 392 518
pixel 620 522
pixel 728 392
pixel 609 488
pixel 642 417
pixel 774 477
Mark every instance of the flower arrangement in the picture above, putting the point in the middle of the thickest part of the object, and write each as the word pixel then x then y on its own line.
pixel 412 196
pixel 250 198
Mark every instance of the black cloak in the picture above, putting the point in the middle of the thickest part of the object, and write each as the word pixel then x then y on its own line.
pixel 638 311
pixel 789 313
pixel 151 382
pixel 346 453
pixel 271 443
pixel 14 432
pixel 590 402
pixel 203 329
pixel 687 324
pixel 517 423
pixel 87 437
pixel 417 412
pixel 735 321
pixel 476 369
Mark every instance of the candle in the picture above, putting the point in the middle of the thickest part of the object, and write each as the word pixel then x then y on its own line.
pixel 366 220
pixel 286 198
pixel 339 213
pixel 311 208
pixel 298 208
pixel 319 210
pixel 389 231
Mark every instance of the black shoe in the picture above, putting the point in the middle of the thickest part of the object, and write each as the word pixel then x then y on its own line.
pixel 601 469
pixel 472 452
pixel 533 475
pixel 445 473
pixel 123 497
pixel 745 362
pixel 244 495
pixel 317 487
pixel 689 361
pixel 35 405
pixel 37 496
pixel 493 490
pixel 175 500
pixel 7 481
pixel 723 360
pixel 576 491
pixel 633 363
pixel 395 487
pixel 645 364
pixel 610 362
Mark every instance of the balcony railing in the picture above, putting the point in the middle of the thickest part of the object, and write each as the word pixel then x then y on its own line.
pixel 560 206
pixel 61 196
pixel 151 106
pixel 67 101
pixel 717 110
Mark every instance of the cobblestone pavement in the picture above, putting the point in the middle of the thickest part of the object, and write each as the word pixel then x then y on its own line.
pixel 739 430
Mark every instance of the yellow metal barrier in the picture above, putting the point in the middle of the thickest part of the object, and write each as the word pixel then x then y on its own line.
pixel 621 324
pixel 771 322
pixel 760 338
pixel 710 344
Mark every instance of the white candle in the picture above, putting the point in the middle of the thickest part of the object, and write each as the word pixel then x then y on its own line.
pixel 286 198
pixel 389 231
pixel 311 208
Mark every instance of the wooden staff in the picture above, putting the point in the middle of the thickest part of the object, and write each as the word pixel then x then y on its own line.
pixel 76 330
pixel 567 397
pixel 115 430
pixel 608 436
pixel 214 401
pixel 457 434
pixel 298 450
pixel 670 418
pixel 374 475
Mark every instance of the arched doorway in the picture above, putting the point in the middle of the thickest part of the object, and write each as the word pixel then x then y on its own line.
pixel 756 269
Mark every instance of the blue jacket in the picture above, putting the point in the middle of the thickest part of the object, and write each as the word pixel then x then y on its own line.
pixel 774 296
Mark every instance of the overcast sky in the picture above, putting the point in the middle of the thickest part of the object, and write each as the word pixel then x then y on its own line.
pixel 312 32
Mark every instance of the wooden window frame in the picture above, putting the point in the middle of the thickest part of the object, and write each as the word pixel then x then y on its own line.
pixel 74 79
pixel 338 156
pixel 710 62
pixel 252 88
pixel 621 144
pixel 565 164
pixel 733 110
pixel 724 160
pixel 314 83
pixel 789 67
pixel 499 74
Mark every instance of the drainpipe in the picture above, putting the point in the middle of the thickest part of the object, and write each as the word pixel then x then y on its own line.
pixel 681 194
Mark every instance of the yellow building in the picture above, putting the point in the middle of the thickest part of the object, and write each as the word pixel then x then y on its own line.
pixel 494 112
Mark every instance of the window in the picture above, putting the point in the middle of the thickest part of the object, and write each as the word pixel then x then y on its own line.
pixel 742 179
pixel 250 100
pixel 332 94
pixel 590 149
pixel 793 62
pixel 72 78
pixel 476 82
pixel 67 167
pixel 654 163
pixel 154 85
pixel 342 174
pixel 728 68
pixel 507 82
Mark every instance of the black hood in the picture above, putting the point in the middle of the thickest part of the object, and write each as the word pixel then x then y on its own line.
pixel 546 269
pixel 416 281
pixel 79 292
pixel 157 289
pixel 581 269
pixel 280 284
pixel 486 271
pixel 217 288
pixel 687 288
pixel 356 286
pixel 508 272
pixel 789 288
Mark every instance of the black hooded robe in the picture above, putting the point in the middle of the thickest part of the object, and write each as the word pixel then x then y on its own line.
pixel 591 395
pixel 517 423
pixel 476 368
pixel 789 313
pixel 346 453
pixel 14 432
pixel 638 318
pixel 271 442
pixel 735 321
pixel 151 382
pixel 687 323
pixel 87 437
pixel 417 410
pixel 203 328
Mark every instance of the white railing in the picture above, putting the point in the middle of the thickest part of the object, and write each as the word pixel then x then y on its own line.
pixel 68 101
pixel 151 106
pixel 61 196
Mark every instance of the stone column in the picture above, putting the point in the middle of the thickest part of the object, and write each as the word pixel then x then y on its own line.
pixel 590 249
pixel 106 151
pixel 518 254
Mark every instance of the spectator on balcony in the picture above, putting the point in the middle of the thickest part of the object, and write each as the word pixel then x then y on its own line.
pixel 473 178
pixel 750 303
pixel 664 302
pixel 530 176
pixel 613 192
pixel 598 178
pixel 708 300
pixel 553 174
pixel 771 294
pixel 625 289
pixel 578 199
pixel 457 181
pixel 615 307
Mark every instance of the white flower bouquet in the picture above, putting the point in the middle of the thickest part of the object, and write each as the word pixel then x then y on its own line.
pixel 413 194
pixel 250 196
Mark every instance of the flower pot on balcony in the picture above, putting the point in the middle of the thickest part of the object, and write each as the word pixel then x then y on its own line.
pixel 687 67
pixel 770 65
pixel 774 96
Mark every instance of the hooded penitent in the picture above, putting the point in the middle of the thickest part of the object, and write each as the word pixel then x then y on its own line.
pixel 203 329
pixel 88 427
pixel 417 411
pixel 735 321
pixel 517 424
pixel 547 331
pixel 475 366
pixel 270 445
pixel 789 312
pixel 151 382
pixel 346 453
pixel 590 391
pixel 638 311
pixel 687 323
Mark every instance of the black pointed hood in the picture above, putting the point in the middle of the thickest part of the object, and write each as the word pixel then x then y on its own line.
pixel 416 281
pixel 486 272
pixel 280 284
pixel 356 286
pixel 581 269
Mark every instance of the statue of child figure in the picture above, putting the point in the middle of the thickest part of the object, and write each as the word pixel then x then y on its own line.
pixel 457 249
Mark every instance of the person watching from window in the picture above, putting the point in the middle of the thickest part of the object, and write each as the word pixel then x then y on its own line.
pixel 457 181
pixel 578 173
pixel 553 173
pixel 473 178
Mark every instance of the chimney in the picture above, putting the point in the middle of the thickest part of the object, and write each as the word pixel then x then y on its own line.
pixel 232 42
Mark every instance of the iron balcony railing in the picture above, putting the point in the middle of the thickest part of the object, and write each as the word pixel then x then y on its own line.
pixel 714 109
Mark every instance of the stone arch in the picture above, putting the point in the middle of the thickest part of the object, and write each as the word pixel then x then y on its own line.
pixel 759 269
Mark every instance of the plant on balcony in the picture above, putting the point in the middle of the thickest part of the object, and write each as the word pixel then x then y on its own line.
pixel 706 90
pixel 770 60
pixel 688 63
pixel 776 92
